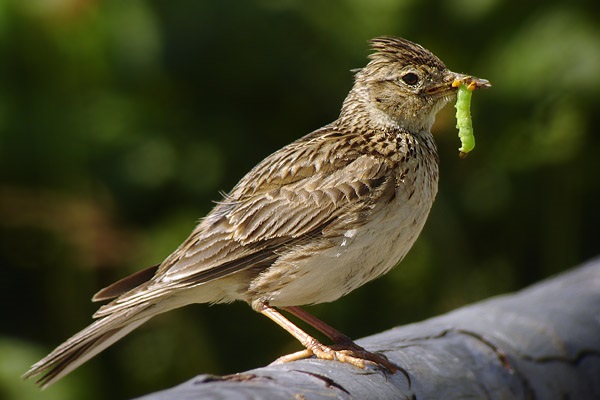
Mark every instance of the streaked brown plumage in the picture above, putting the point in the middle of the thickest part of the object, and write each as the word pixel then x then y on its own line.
pixel 310 223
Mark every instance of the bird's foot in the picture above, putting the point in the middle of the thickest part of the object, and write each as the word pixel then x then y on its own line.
pixel 348 352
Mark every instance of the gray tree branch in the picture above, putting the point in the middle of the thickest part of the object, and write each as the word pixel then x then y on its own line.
pixel 540 343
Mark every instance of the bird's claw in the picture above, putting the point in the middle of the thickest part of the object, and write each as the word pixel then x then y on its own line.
pixel 346 353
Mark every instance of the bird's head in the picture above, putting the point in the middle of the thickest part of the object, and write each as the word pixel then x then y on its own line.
pixel 404 85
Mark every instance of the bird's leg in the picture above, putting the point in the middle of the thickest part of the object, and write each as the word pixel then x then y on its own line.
pixel 348 351
pixel 313 346
pixel 326 329
pixel 342 342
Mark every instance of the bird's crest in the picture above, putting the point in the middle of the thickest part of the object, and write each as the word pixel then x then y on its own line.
pixel 392 49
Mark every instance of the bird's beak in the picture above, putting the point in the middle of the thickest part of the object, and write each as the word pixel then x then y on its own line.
pixel 453 80
pixel 471 82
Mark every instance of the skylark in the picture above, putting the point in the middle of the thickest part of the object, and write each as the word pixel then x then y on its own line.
pixel 309 224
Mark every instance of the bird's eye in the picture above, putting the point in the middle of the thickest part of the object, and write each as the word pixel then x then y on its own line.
pixel 410 78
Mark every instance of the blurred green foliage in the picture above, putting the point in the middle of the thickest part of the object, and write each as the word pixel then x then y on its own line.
pixel 121 121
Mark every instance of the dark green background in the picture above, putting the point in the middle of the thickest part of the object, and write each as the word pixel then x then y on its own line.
pixel 120 122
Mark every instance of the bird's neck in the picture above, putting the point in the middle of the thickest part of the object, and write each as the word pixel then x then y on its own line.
pixel 359 112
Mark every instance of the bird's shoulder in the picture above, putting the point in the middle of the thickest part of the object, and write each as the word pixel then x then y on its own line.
pixel 316 156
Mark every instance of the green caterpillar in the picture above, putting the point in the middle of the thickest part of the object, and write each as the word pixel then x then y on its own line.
pixel 463 119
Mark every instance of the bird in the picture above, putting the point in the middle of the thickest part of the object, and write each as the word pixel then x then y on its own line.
pixel 313 221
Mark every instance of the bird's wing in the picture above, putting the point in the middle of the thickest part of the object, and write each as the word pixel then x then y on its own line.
pixel 316 187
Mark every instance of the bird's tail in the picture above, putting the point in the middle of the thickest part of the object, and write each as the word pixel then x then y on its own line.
pixel 88 342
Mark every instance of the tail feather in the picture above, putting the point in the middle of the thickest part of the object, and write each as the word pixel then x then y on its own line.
pixel 87 343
